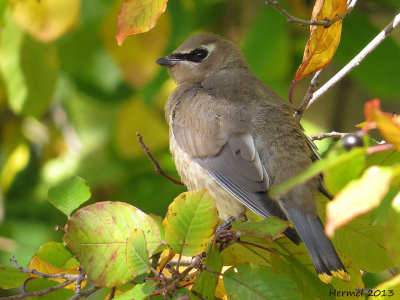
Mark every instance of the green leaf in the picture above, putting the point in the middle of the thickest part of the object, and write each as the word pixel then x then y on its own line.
pixel 336 178
pixel 40 284
pixel 246 252
pixel 306 280
pixel 269 228
pixel 392 233
pixel 191 222
pixel 357 236
pixel 98 233
pixel 206 282
pixel 315 169
pixel 358 197
pixel 30 71
pixel 137 255
pixel 56 254
pixel 69 195
pixel 246 281
pixel 139 292
pixel 11 277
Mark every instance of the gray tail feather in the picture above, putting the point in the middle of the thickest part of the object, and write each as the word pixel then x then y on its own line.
pixel 320 248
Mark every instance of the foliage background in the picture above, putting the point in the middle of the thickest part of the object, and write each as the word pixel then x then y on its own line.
pixel 72 101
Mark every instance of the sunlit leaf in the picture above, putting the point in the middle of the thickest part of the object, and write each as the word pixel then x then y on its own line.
pixel 46 20
pixel 11 277
pixel 191 222
pixel 206 282
pixel 53 258
pixel 392 234
pixel 323 41
pixel 387 289
pixel 97 234
pixel 15 163
pixel 388 124
pixel 139 292
pixel 137 255
pixel 29 69
pixel 358 197
pixel 245 281
pixel 138 16
pixel 315 169
pixel 69 195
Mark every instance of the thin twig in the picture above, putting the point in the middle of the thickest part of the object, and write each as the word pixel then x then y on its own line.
pixel 357 59
pixel 310 92
pixel 379 148
pixel 85 293
pixel 326 22
pixel 71 277
pixel 155 161
pixel 40 293
pixel 112 293
pixel 325 135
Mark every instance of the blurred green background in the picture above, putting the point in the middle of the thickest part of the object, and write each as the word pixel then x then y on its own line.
pixel 71 100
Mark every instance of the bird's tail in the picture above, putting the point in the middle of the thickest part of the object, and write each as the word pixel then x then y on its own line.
pixel 323 255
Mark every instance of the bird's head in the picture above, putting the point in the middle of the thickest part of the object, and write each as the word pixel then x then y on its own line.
pixel 201 55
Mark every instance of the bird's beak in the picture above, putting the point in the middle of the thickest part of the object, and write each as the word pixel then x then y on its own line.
pixel 168 61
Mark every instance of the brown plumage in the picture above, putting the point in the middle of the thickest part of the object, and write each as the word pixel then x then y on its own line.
pixel 231 134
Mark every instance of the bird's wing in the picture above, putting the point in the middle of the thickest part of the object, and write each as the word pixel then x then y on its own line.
pixel 226 150
pixel 314 157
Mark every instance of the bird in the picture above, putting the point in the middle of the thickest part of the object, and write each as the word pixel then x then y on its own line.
pixel 234 136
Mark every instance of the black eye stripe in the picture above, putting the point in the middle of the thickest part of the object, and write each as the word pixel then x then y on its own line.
pixel 196 55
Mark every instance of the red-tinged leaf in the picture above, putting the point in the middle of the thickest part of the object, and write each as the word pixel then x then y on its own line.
pixel 138 16
pixel 98 234
pixel 323 42
pixel 388 124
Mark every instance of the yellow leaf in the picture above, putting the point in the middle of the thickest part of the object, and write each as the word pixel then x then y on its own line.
pixel 45 267
pixel 358 197
pixel 46 20
pixel 15 163
pixel 323 41
pixel 138 16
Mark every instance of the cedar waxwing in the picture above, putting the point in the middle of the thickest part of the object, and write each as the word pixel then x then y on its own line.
pixel 231 134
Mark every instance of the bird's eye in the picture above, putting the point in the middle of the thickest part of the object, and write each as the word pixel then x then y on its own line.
pixel 198 55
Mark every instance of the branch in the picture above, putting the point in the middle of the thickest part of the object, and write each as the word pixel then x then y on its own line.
pixel 321 136
pixel 357 59
pixel 310 92
pixel 70 277
pixel 85 293
pixel 39 293
pixel 326 22
pixel 155 161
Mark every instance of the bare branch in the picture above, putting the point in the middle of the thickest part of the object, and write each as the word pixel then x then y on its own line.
pixel 310 92
pixel 39 293
pixel 357 59
pixel 85 293
pixel 321 136
pixel 155 161
pixel 71 277
pixel 326 22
